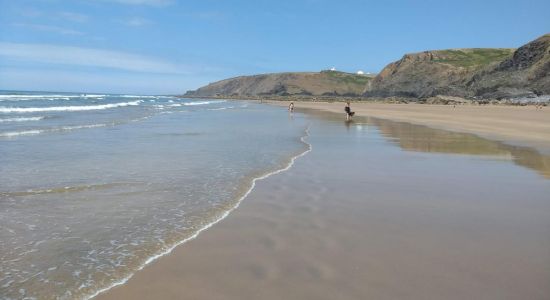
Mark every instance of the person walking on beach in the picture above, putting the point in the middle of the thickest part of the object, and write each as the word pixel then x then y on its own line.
pixel 291 107
pixel 349 113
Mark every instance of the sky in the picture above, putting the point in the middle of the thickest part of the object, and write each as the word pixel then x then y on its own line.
pixel 171 46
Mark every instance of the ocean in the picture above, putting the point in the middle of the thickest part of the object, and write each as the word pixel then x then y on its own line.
pixel 95 186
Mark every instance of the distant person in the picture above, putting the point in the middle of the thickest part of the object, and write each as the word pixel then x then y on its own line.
pixel 291 107
pixel 349 113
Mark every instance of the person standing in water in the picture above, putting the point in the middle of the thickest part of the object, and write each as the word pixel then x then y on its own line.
pixel 349 113
pixel 291 107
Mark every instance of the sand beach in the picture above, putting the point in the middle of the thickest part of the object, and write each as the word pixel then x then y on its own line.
pixel 521 125
pixel 381 209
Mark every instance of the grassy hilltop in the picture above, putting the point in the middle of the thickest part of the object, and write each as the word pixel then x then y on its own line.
pixel 473 58
pixel 325 83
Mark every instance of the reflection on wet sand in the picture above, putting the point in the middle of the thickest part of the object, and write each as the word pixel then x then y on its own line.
pixel 349 123
pixel 411 137
pixel 425 139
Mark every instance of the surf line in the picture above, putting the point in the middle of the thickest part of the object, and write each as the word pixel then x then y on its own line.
pixel 223 216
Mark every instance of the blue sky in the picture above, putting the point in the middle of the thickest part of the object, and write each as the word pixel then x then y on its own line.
pixel 170 46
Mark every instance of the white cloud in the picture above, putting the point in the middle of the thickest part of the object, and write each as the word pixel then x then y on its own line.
pixel 30 12
pixel 137 22
pixel 72 16
pixel 89 57
pixel 49 28
pixel 206 15
pixel 142 2
pixel 61 15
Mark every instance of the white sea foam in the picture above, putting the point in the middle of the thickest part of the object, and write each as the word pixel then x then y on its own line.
pixel 223 216
pixel 34 96
pixel 137 96
pixel 10 134
pixel 22 119
pixel 204 102
pixel 222 108
pixel 18 133
pixel 18 97
pixel 92 96
pixel 84 126
pixel 129 96
pixel 66 108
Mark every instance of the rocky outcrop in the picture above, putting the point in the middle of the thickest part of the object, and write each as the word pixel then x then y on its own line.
pixel 431 73
pixel 469 73
pixel 525 74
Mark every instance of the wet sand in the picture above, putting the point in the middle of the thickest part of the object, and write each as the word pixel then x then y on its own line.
pixel 519 125
pixel 377 210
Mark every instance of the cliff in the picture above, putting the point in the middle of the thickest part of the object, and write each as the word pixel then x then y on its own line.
pixel 479 73
pixel 325 83
pixel 525 74
pixel 468 73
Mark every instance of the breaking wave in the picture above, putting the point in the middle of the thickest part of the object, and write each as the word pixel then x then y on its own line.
pixel 21 119
pixel 67 108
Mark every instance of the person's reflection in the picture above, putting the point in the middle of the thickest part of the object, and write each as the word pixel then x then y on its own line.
pixel 348 124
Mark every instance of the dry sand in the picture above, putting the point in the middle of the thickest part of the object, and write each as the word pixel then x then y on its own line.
pixel 519 125
pixel 358 218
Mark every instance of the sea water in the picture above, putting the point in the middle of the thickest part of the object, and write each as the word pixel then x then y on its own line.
pixel 95 186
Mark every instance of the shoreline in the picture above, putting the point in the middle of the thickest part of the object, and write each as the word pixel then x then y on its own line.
pixel 435 100
pixel 168 251
pixel 291 240
pixel 513 125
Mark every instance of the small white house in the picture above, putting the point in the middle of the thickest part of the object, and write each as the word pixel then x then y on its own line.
pixel 360 72
pixel 333 69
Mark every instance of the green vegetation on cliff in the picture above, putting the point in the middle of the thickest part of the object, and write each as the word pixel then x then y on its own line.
pixel 472 58
pixel 325 83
